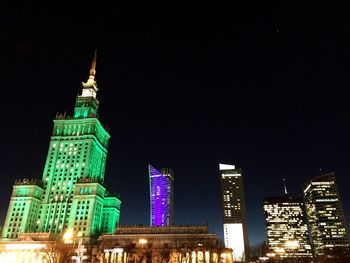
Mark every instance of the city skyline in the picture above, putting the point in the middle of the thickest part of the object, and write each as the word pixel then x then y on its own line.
pixel 204 216
pixel 264 87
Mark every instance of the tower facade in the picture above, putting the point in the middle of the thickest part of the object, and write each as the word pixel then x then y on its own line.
pixel 161 183
pixel 235 218
pixel 286 228
pixel 325 214
pixel 71 193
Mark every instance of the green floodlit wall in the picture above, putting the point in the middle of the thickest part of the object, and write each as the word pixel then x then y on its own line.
pixel 110 214
pixel 87 204
pixel 76 156
pixel 23 210
pixel 78 149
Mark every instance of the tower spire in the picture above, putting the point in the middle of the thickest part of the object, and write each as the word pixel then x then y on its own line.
pixel 93 66
pixel 285 186
pixel 91 82
pixel 86 104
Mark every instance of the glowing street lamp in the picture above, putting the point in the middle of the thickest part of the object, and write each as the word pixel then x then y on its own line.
pixel 68 236
pixel 142 241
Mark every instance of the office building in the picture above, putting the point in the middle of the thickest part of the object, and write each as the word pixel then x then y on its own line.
pixel 161 184
pixel 71 194
pixel 286 228
pixel 235 219
pixel 325 214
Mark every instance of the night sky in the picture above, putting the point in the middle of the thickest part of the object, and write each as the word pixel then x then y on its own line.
pixel 186 85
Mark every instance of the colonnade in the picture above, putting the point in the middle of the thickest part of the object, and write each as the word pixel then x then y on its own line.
pixel 117 255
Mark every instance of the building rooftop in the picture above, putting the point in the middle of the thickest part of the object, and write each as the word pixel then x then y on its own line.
pixel 177 229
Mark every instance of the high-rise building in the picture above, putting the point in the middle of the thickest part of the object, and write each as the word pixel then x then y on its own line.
pixel 325 214
pixel 286 228
pixel 71 194
pixel 161 184
pixel 235 218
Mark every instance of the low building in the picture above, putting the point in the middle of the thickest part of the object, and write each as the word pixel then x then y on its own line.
pixel 46 248
pixel 28 248
pixel 186 244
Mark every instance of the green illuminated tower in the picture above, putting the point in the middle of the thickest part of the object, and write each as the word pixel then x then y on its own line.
pixel 71 194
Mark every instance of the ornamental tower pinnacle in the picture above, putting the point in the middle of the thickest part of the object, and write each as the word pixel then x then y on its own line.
pixel 90 86
pixel 86 104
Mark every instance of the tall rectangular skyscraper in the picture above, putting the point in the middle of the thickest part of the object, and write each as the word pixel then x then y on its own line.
pixel 286 228
pixel 325 214
pixel 235 218
pixel 161 184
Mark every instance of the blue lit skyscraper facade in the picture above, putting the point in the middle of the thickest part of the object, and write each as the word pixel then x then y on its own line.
pixel 161 184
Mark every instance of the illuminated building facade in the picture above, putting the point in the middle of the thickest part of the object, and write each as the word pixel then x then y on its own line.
pixel 171 244
pixel 28 248
pixel 235 219
pixel 71 193
pixel 325 214
pixel 161 183
pixel 286 228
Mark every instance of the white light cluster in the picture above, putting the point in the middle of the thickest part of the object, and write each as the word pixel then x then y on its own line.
pixel 226 167
pixel 24 246
pixel 234 239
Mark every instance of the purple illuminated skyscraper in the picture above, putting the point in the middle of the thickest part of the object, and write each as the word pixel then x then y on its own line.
pixel 161 184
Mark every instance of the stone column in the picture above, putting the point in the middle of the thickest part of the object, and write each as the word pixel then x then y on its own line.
pixel 107 254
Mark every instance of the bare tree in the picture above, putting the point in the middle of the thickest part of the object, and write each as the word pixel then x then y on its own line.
pixel 57 252
pixel 51 252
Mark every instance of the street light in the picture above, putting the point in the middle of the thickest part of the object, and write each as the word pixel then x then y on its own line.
pixel 68 238
pixel 142 241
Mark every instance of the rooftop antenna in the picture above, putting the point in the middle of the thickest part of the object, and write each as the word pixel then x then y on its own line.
pixel 285 186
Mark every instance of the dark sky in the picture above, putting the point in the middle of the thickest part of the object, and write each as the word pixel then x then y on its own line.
pixel 186 85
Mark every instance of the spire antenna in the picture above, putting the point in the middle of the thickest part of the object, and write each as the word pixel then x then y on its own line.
pixel 93 66
pixel 91 83
pixel 285 186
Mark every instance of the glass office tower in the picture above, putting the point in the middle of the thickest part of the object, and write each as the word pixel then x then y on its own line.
pixel 325 214
pixel 161 184
pixel 286 228
pixel 235 218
